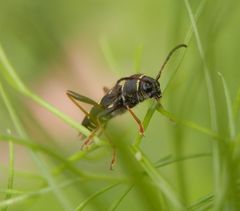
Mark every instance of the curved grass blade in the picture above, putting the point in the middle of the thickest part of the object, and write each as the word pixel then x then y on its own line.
pixel 11 192
pixel 189 124
pixel 116 205
pixel 41 148
pixel 162 184
pixel 184 158
pixel 43 191
pixel 231 122
pixel 146 122
pixel 211 101
pixel 67 165
pixel 10 75
pixel 186 41
pixel 51 181
pixel 27 175
pixel 138 58
pixel 108 55
pixel 202 204
pixel 10 172
pixel 72 159
pixel 237 104
pixel 86 201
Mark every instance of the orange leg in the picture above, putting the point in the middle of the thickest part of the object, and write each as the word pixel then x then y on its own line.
pixel 89 139
pixel 77 104
pixel 141 128
pixel 114 158
pixel 114 152
pixel 106 90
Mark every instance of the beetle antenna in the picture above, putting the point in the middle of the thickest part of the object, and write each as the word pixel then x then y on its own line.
pixel 168 57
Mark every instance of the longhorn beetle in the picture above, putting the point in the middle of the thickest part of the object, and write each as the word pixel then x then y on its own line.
pixel 125 94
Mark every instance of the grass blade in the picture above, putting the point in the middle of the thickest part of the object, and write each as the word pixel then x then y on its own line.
pixel 10 75
pixel 211 100
pixel 86 201
pixel 11 172
pixel 212 104
pixel 116 205
pixel 237 104
pixel 189 124
pixel 41 192
pixel 41 148
pixel 51 181
pixel 164 162
pixel 202 204
pixel 231 122
pixel 138 58
pixel 158 180
pixel 108 55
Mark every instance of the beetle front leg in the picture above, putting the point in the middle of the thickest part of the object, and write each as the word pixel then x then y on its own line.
pixel 141 128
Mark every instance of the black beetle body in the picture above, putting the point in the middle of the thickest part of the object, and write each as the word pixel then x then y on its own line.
pixel 126 93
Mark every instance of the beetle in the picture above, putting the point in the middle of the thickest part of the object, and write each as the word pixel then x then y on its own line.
pixel 125 94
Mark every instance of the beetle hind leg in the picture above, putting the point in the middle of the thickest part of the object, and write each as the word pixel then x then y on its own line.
pixel 87 142
pixel 114 158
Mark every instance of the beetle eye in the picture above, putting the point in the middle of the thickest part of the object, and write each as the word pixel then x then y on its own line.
pixel 147 87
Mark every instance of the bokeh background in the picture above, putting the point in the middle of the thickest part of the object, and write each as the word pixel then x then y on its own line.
pixel 85 45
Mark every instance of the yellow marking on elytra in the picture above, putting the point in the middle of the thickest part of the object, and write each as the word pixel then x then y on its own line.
pixel 138 82
pixel 122 86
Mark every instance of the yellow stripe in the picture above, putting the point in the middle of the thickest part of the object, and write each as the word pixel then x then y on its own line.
pixel 138 82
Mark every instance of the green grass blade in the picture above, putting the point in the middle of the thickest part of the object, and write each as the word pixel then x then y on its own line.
pixel 12 113
pixel 118 202
pixel 231 121
pixel 138 58
pixel 108 55
pixel 61 115
pixel 11 192
pixel 41 192
pixel 211 100
pixel 27 175
pixel 86 201
pixel 202 204
pixel 189 124
pixel 11 172
pixel 163 186
pixel 41 148
pixel 186 41
pixel 72 159
pixel 236 105
pixel 196 18
pixel 51 181
pixel 146 122
pixel 10 75
pixel 67 164
pixel 162 163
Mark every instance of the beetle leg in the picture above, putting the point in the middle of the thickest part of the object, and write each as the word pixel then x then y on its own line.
pixel 141 128
pixel 89 139
pixel 114 153
pixel 114 158
pixel 106 90
pixel 74 100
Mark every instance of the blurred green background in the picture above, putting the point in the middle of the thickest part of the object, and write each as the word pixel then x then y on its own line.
pixel 85 45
